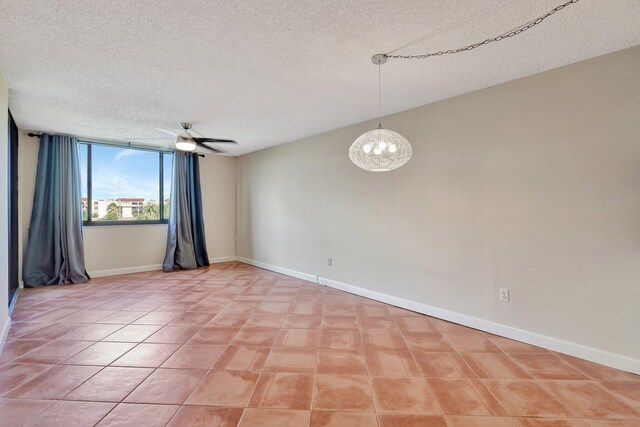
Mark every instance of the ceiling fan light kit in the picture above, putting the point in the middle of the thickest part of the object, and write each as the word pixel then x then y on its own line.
pixel 184 143
pixel 381 149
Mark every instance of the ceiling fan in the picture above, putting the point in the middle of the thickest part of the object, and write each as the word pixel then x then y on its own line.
pixel 185 141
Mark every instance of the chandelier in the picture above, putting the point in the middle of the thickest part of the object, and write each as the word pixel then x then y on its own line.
pixel 381 150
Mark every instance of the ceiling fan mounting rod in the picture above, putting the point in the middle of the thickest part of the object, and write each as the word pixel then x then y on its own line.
pixel 381 58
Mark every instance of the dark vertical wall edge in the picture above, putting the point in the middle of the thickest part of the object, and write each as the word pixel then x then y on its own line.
pixel 13 208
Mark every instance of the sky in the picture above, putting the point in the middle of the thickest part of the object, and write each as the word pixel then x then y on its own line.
pixel 124 172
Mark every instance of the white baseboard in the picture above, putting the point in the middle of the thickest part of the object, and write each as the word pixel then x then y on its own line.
pixel 220 259
pixel 281 270
pixel 592 354
pixel 151 267
pixel 13 301
pixel 4 333
pixel 125 270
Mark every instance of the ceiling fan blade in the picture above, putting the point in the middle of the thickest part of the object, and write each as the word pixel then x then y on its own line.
pixel 195 133
pixel 206 147
pixel 152 139
pixel 168 132
pixel 215 140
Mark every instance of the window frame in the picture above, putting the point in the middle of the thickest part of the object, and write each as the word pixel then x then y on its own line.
pixel 89 222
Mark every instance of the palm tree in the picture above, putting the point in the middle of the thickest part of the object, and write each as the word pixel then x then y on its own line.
pixel 149 211
pixel 113 212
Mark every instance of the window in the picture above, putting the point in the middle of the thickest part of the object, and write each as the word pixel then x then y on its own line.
pixel 83 159
pixel 124 185
pixel 167 169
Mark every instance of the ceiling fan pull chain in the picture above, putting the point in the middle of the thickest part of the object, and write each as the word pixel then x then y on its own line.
pixel 518 30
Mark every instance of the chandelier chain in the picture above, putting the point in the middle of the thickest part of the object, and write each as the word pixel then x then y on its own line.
pixel 518 30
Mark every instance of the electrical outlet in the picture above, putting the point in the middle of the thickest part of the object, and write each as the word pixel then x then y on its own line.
pixel 504 295
pixel 329 262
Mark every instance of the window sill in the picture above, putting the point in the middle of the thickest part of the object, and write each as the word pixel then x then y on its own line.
pixel 121 223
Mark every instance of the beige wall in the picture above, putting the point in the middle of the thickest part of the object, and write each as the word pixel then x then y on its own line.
pixel 218 182
pixel 532 185
pixel 4 209
pixel 127 248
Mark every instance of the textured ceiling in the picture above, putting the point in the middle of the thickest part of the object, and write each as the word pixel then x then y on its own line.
pixel 264 72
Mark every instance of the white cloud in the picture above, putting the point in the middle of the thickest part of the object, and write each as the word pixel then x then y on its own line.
pixel 126 153
pixel 113 184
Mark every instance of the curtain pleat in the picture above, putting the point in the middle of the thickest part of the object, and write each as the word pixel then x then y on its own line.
pixel 186 243
pixel 197 222
pixel 55 248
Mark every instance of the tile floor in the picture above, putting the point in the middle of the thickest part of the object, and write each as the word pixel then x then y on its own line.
pixel 235 345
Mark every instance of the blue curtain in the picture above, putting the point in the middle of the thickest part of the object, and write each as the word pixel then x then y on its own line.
pixel 186 243
pixel 55 249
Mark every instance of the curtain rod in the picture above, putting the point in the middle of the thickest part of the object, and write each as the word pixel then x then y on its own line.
pixel 113 143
